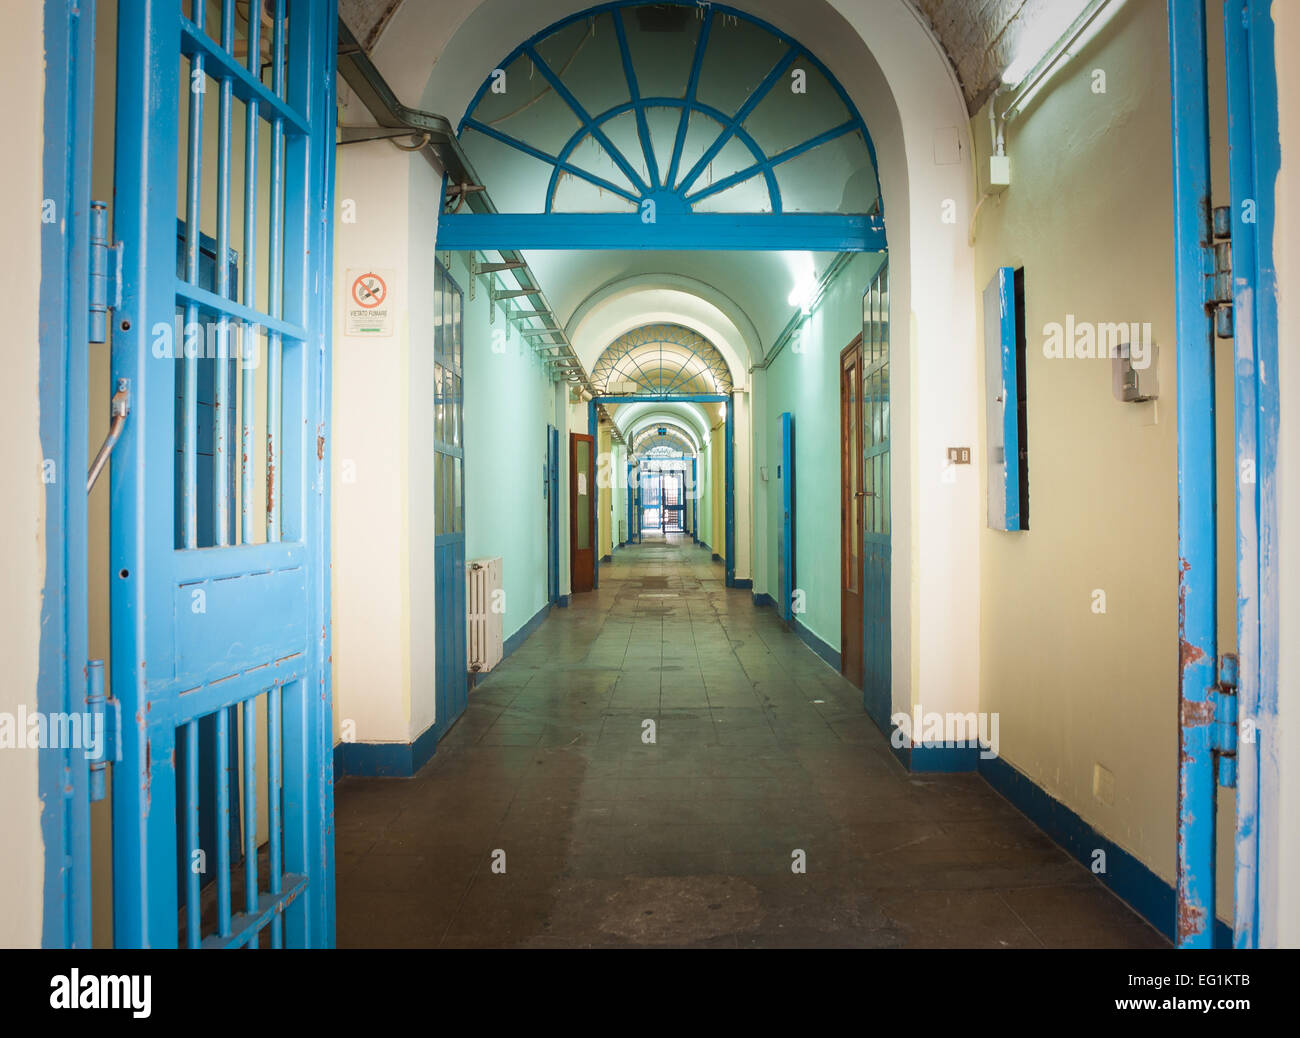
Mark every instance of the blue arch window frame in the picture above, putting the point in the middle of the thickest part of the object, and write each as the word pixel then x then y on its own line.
pixel 675 224
pixel 624 348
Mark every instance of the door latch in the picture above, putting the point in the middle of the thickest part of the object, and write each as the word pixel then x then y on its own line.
pixel 118 410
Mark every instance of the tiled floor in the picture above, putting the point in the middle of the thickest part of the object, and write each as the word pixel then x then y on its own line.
pixel 760 751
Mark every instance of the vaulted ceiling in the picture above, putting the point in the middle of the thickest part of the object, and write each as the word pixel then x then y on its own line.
pixel 980 37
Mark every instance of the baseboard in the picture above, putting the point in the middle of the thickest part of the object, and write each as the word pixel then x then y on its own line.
pixel 607 558
pixel 830 656
pixel 744 583
pixel 716 556
pixel 563 601
pixel 520 636
pixel 762 598
pixel 1130 880
pixel 386 759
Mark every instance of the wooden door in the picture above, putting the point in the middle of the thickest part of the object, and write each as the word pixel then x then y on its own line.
pixel 852 497
pixel 582 530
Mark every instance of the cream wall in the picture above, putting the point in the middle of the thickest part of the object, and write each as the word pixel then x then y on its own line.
pixel 1089 215
pixel 372 429
pixel 22 520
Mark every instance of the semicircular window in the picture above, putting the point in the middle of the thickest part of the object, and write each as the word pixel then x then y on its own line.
pixel 661 360
pixel 696 108
pixel 669 444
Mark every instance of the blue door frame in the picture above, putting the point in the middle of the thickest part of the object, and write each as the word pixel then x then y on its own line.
pixel 785 556
pixel 451 680
pixel 552 514
pixel 262 636
pixel 877 546
pixel 730 448
pixel 1219 696
pixel 1254 160
pixel 64 774
pixel 695 501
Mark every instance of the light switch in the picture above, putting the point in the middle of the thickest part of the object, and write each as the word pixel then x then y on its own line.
pixel 959 455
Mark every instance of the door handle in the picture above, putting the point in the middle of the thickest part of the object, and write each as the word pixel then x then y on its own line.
pixel 119 409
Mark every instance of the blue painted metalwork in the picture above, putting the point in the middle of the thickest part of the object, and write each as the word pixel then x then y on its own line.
pixel 1003 401
pixel 631 492
pixel 552 514
pixel 1268 161
pixel 1241 175
pixel 594 496
pixel 730 495
pixel 668 398
pixel 64 773
pixel 877 549
pixel 785 555
pixel 452 650
pixel 671 189
pixel 198 632
pixel 1253 167
pixel 1197 570
pixel 753 232
pixel 695 500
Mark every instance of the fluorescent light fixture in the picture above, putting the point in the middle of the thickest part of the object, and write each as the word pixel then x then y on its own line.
pixel 1056 37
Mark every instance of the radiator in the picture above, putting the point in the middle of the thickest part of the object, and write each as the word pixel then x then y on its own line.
pixel 485 604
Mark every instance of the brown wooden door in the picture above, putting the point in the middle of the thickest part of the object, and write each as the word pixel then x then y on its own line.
pixel 582 526
pixel 852 499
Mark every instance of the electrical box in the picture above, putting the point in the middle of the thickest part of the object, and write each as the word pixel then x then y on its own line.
pixel 1134 373
pixel 999 173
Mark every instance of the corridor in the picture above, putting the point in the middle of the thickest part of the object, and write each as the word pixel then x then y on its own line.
pixel 760 750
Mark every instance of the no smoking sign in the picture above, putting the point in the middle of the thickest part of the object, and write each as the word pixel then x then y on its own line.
pixel 369 309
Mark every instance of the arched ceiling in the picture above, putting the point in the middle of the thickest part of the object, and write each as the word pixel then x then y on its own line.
pixel 980 37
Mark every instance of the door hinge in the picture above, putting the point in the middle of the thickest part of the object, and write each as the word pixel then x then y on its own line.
pixel 1225 720
pixel 105 718
pixel 1219 284
pixel 105 273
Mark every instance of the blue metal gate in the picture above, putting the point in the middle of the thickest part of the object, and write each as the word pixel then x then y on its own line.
pixel 451 653
pixel 1226 287
pixel 218 623
pixel 877 667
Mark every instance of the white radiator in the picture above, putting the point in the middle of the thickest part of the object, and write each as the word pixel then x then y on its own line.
pixel 486 606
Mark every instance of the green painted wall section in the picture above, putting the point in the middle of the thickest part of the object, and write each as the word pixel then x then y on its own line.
pixel 804 380
pixel 509 400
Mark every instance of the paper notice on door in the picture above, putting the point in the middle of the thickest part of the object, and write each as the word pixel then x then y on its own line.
pixel 582 484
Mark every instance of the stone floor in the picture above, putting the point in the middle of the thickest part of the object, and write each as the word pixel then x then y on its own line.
pixel 760 751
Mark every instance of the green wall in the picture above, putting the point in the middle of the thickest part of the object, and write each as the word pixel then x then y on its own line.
pixel 509 401
pixel 805 382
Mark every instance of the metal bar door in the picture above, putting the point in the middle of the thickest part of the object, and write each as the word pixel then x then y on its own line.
pixel 1226 287
pixel 222 625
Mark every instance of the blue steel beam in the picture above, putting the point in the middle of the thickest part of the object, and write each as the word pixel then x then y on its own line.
pixel 752 232
pixel 1197 646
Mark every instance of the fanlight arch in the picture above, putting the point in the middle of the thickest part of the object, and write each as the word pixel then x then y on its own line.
pixel 660 360
pixel 668 443
pixel 673 108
